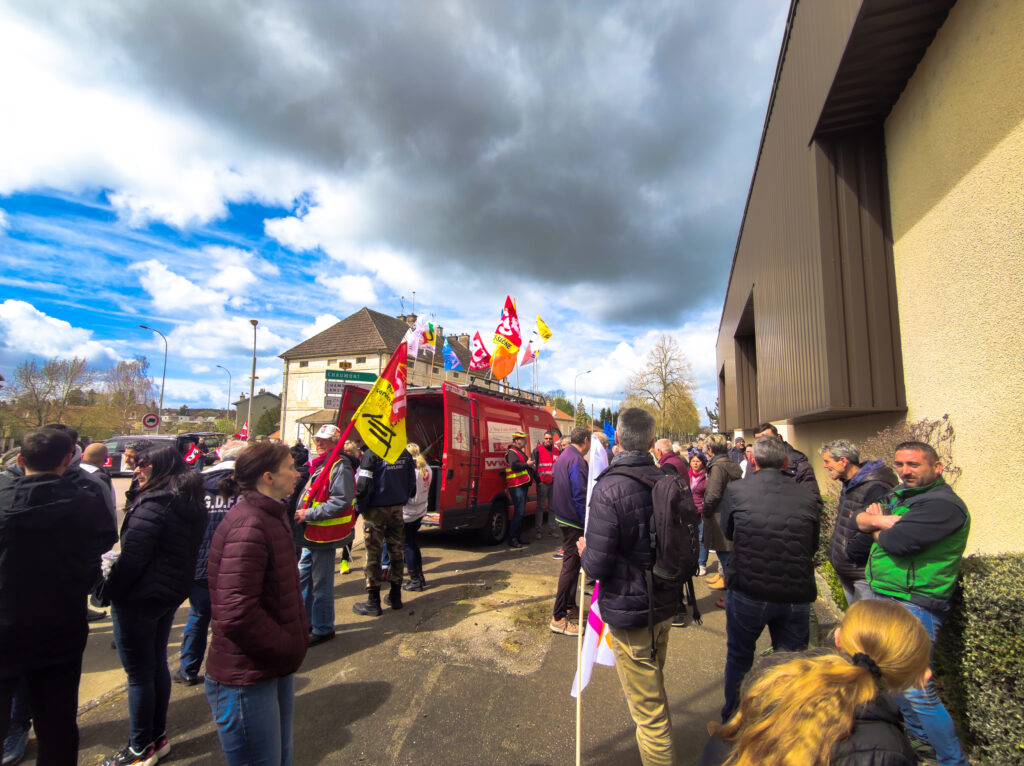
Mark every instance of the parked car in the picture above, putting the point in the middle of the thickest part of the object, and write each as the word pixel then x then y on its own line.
pixel 116 446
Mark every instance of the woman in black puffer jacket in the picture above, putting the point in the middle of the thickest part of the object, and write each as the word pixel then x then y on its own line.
pixel 160 536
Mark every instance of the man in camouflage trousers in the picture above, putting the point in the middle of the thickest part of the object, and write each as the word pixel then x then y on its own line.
pixel 381 491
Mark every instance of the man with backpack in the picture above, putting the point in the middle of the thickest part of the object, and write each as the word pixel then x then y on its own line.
pixel 640 573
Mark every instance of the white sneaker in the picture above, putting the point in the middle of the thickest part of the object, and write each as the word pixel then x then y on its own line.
pixel 701 571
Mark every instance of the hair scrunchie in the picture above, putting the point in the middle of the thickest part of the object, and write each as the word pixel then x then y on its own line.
pixel 865 661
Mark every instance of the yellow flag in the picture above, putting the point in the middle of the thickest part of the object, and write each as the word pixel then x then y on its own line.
pixel 380 419
pixel 543 329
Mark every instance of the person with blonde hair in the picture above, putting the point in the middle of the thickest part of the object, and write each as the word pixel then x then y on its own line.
pixel 832 709
pixel 412 515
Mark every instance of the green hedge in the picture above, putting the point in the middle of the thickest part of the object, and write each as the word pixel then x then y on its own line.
pixel 980 657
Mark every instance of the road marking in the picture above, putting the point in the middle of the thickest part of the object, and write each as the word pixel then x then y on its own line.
pixel 404 724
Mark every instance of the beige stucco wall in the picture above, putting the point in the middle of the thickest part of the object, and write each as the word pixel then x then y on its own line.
pixel 955 149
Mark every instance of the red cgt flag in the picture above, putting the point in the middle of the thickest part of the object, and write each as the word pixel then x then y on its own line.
pixel 193 454
pixel 507 334
pixel 481 357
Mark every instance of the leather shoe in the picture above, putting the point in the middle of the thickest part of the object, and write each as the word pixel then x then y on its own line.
pixel 315 639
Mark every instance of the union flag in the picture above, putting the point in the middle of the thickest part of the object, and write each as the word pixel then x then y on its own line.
pixel 481 357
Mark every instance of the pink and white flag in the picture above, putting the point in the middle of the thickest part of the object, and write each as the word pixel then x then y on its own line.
pixel 597 647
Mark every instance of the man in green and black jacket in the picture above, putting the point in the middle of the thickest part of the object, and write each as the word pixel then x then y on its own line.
pixel 920 534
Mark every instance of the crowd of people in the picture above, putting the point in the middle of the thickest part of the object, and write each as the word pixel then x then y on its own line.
pixel 896 547
pixel 254 549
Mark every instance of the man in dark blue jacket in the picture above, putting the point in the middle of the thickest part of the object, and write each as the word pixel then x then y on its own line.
pixel 569 502
pixel 53 530
pixel 381 491
pixel 193 639
pixel 862 485
pixel 617 552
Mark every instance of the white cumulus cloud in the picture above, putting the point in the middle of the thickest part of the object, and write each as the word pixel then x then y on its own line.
pixel 24 329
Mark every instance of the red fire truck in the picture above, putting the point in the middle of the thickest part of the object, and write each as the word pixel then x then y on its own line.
pixel 464 432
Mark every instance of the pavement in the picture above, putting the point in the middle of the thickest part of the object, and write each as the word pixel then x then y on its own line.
pixel 467 673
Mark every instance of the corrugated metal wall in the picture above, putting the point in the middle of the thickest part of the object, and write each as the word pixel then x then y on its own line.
pixel 814 252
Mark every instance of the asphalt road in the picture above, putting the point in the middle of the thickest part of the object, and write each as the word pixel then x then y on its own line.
pixel 466 673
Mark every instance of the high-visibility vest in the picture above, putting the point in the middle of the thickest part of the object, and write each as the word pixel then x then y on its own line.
pixel 329 530
pixel 546 462
pixel 516 478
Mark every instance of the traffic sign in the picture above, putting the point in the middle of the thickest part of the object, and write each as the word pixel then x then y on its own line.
pixel 334 387
pixel 359 377
pixel 150 420
pixel 332 402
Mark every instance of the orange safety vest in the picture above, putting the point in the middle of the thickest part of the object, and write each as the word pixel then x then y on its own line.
pixel 516 478
pixel 328 530
pixel 546 462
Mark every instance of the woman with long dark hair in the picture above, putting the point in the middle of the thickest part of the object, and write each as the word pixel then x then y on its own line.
pixel 260 629
pixel 160 536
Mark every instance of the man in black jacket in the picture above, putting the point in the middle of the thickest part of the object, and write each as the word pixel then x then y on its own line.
pixel 381 491
pixel 617 552
pixel 773 524
pixel 863 484
pixel 53 530
pixel 799 467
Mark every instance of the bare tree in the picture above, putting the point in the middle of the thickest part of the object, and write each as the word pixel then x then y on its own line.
pixel 664 387
pixel 42 393
pixel 128 387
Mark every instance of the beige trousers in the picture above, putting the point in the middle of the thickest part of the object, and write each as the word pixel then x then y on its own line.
pixel 643 682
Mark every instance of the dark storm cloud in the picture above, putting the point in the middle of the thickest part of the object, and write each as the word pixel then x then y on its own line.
pixel 593 143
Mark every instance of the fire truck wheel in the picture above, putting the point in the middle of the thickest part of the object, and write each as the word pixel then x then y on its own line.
pixel 496 527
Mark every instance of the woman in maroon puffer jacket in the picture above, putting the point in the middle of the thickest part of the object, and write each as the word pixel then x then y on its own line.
pixel 259 623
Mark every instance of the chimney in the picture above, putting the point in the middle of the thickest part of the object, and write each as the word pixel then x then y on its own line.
pixel 263 390
pixel 464 339
pixel 409 320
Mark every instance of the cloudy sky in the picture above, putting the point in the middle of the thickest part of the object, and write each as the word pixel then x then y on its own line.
pixel 192 165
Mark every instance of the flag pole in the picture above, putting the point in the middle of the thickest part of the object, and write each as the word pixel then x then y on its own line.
pixel 579 670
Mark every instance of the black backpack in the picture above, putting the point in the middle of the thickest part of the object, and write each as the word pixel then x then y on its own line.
pixel 675 535
pixel 675 525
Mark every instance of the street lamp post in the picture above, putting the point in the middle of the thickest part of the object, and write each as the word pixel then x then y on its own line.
pixel 574 400
pixel 163 379
pixel 252 381
pixel 227 412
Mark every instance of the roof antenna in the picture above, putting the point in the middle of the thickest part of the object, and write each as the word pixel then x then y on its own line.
pixel 413 301
pixel 402 299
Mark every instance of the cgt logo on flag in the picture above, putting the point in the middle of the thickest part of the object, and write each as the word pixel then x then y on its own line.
pixel 192 454
pixel 481 357
pixel 507 334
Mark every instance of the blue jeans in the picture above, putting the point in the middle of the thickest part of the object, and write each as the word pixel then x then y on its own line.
pixel 254 722
pixel 411 547
pixel 702 560
pixel 141 632
pixel 316 575
pixel 723 559
pixel 925 715
pixel 745 619
pixel 518 495
pixel 193 640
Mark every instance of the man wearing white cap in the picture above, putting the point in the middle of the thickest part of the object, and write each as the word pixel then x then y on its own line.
pixel 316 567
